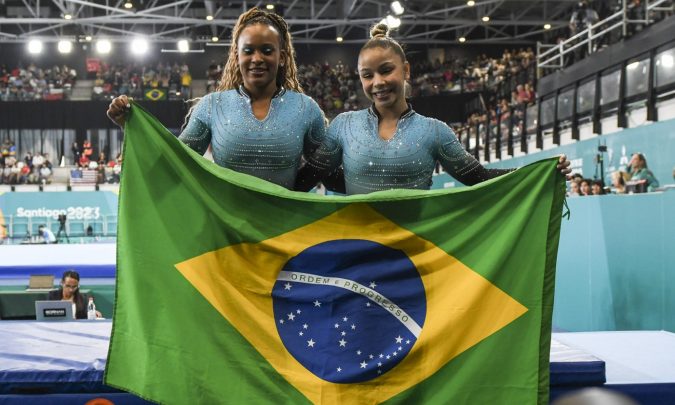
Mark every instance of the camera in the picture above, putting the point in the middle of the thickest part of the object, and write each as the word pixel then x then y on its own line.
pixel 602 148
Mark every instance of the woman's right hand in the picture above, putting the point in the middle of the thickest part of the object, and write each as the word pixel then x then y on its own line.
pixel 118 109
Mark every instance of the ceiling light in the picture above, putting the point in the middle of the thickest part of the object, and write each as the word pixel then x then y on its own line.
pixel 103 46
pixel 215 39
pixel 67 16
pixel 87 38
pixel 128 4
pixel 65 46
pixel 470 3
pixel 547 26
pixel 485 18
pixel 270 6
pixel 34 46
pixel 339 39
pixel 209 17
pixel 462 39
pixel 392 22
pixel 397 8
pixel 183 46
pixel 139 46
pixel 633 66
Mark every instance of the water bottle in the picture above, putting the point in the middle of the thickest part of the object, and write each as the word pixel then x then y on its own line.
pixel 91 309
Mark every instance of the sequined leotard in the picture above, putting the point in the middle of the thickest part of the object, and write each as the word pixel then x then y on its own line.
pixel 271 148
pixel 407 160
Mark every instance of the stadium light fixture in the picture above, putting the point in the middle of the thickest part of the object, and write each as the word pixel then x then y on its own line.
pixel 215 39
pixel 209 17
pixel 139 46
pixel 183 46
pixel 339 39
pixel 397 7
pixel 270 6
pixel 34 46
pixel 462 39
pixel 470 3
pixel 547 26
pixel 87 38
pixel 633 66
pixel 391 21
pixel 67 16
pixel 103 46
pixel 65 46
pixel 128 5
pixel 485 18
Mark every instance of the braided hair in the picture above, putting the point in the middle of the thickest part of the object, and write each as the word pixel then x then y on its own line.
pixel 286 75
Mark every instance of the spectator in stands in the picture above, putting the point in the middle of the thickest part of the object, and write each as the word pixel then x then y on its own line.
pixel 185 82
pixel 258 93
pixel 618 182
pixel 47 234
pixel 582 17
pixel 419 141
pixel 574 189
pixel 637 170
pixel 70 291
pixel 585 187
pixel 597 188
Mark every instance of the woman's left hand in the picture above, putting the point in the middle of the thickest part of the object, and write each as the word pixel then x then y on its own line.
pixel 564 166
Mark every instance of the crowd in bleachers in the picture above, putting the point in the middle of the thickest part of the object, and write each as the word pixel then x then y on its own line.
pixel 137 80
pixel 32 169
pixel 29 83
pixel 86 160
pixel 332 87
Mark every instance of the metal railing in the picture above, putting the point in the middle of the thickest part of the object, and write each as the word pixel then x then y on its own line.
pixel 553 56
pixel 24 230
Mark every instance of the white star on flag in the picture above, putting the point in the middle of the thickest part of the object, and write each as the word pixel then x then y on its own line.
pixel 287 286
pixel 379 364
pixel 342 342
pixel 363 364
pixel 343 333
pixel 317 304
pixel 305 326
pixel 300 333
pixel 281 321
pixel 372 284
pixel 344 319
pixel 298 311
pixel 358 352
pixel 353 326
pixel 399 339
pixel 371 357
pixel 310 343
pixel 339 369
pixel 337 326
pixel 291 317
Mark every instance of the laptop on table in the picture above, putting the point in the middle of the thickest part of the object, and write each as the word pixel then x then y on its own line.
pixel 54 311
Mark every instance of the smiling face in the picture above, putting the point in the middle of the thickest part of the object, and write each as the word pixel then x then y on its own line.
pixel 259 55
pixel 383 74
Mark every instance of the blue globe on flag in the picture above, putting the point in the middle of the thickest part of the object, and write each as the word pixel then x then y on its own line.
pixel 349 310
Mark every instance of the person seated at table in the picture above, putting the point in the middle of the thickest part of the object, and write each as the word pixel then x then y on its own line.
pixel 70 291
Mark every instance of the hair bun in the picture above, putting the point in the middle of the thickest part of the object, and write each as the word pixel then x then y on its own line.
pixel 380 30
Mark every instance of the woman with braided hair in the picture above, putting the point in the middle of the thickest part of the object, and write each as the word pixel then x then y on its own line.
pixel 258 121
pixel 389 146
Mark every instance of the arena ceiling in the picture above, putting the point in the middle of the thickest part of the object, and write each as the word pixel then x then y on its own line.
pixel 511 22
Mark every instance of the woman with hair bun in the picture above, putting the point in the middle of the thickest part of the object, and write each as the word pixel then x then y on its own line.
pixel 389 145
pixel 258 121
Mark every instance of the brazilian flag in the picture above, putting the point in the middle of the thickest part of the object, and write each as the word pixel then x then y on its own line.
pixel 155 94
pixel 234 290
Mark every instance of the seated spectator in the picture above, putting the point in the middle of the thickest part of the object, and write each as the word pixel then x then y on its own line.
pixel 637 170
pixel 619 182
pixel 47 234
pixel 597 188
pixel 585 187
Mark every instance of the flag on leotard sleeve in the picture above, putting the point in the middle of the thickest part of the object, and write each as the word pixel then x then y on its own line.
pixel 234 290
